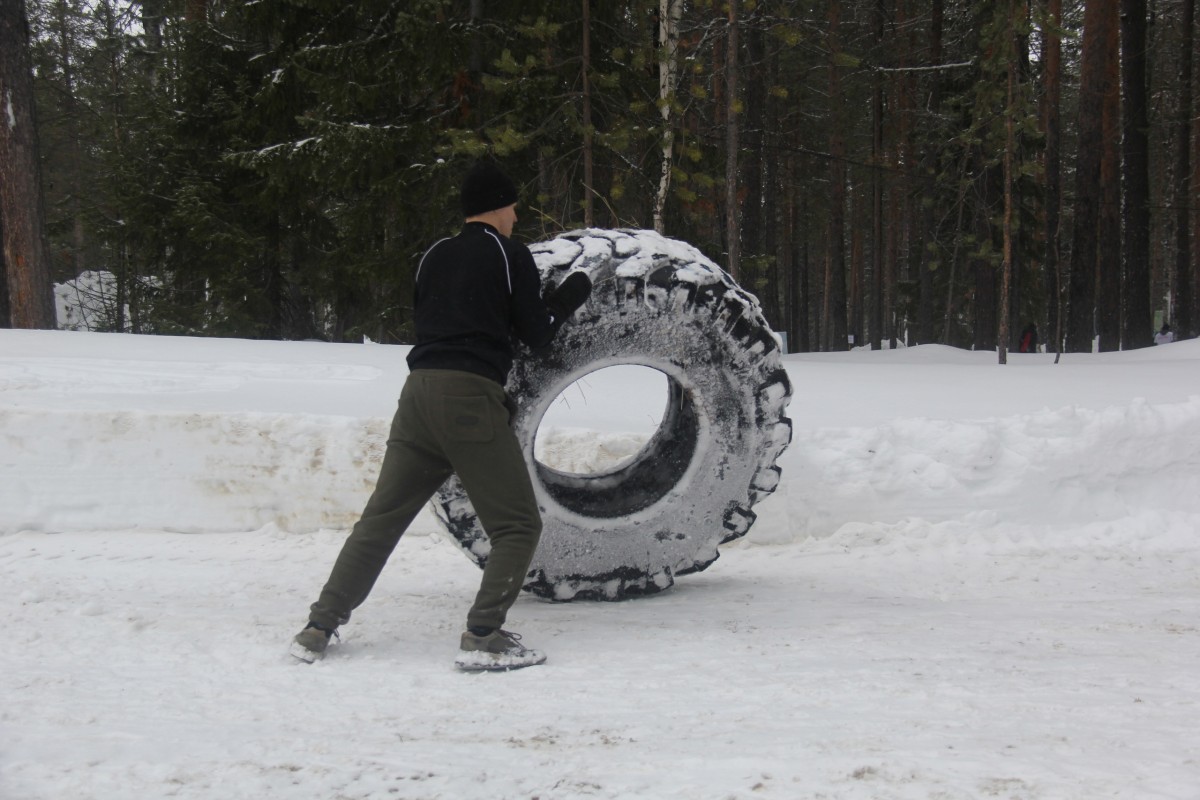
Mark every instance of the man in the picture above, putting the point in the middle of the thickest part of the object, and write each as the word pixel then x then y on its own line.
pixel 1165 335
pixel 473 292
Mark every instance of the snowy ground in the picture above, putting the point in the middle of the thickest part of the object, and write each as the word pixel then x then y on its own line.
pixel 974 581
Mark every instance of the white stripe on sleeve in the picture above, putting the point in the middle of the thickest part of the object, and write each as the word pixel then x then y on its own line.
pixel 427 252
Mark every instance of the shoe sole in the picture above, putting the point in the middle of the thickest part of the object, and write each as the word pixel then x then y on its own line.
pixel 302 653
pixel 480 661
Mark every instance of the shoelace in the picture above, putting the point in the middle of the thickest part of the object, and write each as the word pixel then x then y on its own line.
pixel 512 640
pixel 329 634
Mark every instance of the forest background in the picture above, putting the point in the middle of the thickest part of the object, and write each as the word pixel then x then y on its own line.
pixel 882 171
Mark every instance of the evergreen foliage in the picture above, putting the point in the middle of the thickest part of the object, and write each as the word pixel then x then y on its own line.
pixel 276 168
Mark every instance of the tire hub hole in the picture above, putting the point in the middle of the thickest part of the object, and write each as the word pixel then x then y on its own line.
pixel 615 441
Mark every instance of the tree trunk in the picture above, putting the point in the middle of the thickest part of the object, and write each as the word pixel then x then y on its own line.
pixel 475 65
pixel 1184 287
pixel 475 59
pixel 786 249
pixel 272 280
pixel 985 272
pixel 798 254
pixel 771 165
pixel 589 185
pixel 890 258
pixel 905 226
pixel 1099 16
pixel 1108 255
pixel 5 317
pixel 70 112
pixel 669 14
pixel 1024 267
pixel 1052 95
pixel 858 269
pixel 752 162
pixel 959 234
pixel 928 216
pixel 833 316
pixel 804 287
pixel 875 318
pixel 1138 321
pixel 1006 269
pixel 152 24
pixel 27 267
pixel 195 11
pixel 731 143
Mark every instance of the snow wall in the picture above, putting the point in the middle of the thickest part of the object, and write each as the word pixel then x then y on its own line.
pixel 76 470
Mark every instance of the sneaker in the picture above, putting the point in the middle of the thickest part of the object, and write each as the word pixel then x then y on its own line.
pixel 496 651
pixel 310 644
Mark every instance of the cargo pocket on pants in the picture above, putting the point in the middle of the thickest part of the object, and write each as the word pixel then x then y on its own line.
pixel 468 419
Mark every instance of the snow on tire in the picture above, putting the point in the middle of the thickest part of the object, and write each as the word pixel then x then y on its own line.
pixel 658 303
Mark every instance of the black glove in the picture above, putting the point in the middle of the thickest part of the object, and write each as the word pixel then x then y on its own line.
pixel 568 296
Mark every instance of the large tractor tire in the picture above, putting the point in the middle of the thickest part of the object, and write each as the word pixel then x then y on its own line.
pixel 658 303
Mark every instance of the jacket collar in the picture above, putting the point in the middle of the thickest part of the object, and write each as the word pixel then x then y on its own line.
pixel 476 225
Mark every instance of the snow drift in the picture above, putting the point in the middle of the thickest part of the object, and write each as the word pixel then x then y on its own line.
pixel 118 432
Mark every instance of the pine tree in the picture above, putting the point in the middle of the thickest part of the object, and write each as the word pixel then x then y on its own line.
pixel 1137 322
pixel 1099 26
pixel 1185 289
pixel 30 298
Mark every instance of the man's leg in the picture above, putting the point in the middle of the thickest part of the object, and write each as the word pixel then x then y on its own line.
pixel 487 458
pixel 508 512
pixel 412 471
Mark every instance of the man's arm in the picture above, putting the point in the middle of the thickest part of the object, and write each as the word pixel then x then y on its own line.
pixel 537 320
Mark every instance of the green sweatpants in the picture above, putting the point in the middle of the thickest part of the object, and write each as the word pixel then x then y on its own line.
pixel 447 422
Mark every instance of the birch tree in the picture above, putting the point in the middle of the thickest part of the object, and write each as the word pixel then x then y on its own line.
pixel 732 229
pixel 670 12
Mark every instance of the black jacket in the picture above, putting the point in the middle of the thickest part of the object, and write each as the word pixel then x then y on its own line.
pixel 473 292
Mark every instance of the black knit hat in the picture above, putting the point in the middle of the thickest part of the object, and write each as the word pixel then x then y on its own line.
pixel 485 189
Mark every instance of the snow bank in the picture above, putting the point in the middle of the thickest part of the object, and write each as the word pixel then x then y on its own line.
pixel 1069 465
pixel 193 473
pixel 118 432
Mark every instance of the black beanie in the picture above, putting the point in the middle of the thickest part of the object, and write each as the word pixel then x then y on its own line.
pixel 485 189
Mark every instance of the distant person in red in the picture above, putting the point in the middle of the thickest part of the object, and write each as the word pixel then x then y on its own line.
pixel 1029 342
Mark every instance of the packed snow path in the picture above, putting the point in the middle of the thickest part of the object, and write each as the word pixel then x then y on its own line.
pixel 885 662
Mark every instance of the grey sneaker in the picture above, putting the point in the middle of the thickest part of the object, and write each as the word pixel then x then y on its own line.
pixel 497 651
pixel 310 644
